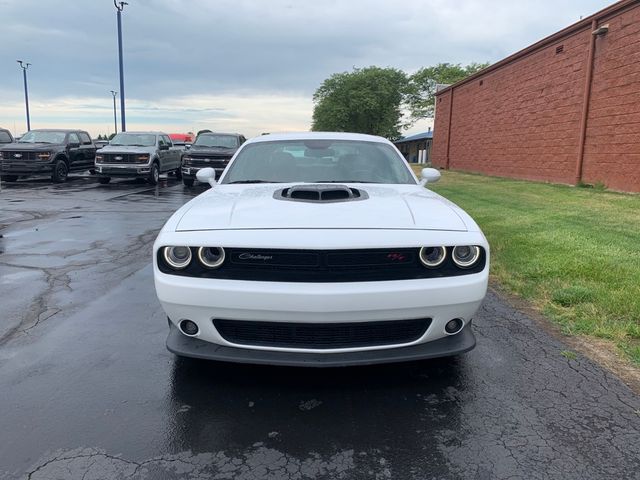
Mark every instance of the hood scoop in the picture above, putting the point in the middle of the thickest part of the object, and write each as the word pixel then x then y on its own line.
pixel 321 193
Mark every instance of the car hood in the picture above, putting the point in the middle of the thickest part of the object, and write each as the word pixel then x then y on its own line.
pixel 30 147
pixel 254 207
pixel 212 151
pixel 126 149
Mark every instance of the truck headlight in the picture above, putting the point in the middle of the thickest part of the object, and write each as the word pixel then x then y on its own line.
pixel 186 160
pixel 99 158
pixel 44 156
pixel 142 158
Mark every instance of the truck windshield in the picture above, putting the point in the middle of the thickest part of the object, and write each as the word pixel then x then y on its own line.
pixel 223 141
pixel 35 136
pixel 319 161
pixel 134 140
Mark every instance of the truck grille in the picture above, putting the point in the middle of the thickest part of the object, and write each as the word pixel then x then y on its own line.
pixel 213 161
pixel 120 158
pixel 321 335
pixel 10 156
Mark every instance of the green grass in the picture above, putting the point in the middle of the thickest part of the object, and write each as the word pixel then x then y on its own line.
pixel 572 252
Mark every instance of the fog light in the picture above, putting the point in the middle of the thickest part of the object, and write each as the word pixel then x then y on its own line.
pixel 454 326
pixel 189 328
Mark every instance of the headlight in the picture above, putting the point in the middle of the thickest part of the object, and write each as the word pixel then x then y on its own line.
pixel 177 257
pixel 211 257
pixel 142 158
pixel 44 156
pixel 186 160
pixel 99 158
pixel 465 256
pixel 433 257
pixel 1 155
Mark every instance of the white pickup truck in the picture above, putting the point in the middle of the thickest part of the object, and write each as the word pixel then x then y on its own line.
pixel 138 155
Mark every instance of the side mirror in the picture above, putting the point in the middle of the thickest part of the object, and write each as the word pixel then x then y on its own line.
pixel 207 175
pixel 187 146
pixel 74 145
pixel 429 175
pixel 163 147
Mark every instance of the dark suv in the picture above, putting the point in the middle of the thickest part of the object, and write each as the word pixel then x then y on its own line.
pixel 49 152
pixel 5 136
pixel 209 150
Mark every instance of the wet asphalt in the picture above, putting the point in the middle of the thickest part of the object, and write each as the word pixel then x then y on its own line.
pixel 88 390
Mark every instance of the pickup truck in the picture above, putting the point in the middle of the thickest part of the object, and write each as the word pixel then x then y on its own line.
pixel 5 136
pixel 209 150
pixel 138 155
pixel 47 151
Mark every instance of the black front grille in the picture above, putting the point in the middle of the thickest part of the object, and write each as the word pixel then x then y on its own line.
pixel 321 335
pixel 213 161
pixel 22 155
pixel 284 265
pixel 120 158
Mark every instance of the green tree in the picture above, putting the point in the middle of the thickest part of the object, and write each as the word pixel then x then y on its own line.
pixel 367 100
pixel 422 85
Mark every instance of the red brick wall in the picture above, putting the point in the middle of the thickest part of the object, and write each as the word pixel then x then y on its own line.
pixel 523 119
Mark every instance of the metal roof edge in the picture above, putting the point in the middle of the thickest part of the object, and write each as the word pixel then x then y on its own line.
pixel 583 24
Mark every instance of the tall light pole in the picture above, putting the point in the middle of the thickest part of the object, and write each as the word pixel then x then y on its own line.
pixel 25 66
pixel 120 7
pixel 115 118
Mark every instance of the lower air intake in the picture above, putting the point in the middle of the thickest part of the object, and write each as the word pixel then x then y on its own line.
pixel 321 335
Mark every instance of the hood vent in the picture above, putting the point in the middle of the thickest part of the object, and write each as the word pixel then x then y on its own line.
pixel 320 193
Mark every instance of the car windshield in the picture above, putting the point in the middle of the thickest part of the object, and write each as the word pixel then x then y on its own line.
pixel 319 161
pixel 5 137
pixel 35 136
pixel 134 140
pixel 209 140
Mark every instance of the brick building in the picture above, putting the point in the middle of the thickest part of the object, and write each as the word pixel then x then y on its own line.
pixel 565 110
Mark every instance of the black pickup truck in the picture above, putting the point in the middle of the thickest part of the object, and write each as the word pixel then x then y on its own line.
pixel 209 150
pixel 49 152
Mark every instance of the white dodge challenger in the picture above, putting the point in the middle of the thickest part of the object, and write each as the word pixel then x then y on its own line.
pixel 320 249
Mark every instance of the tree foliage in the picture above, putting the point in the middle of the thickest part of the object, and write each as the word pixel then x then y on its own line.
pixel 421 96
pixel 367 100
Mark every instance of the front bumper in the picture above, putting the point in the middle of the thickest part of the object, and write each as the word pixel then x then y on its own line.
pixel 106 170
pixel 202 300
pixel 184 346
pixel 24 168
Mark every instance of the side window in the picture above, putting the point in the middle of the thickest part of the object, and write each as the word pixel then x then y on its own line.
pixel 167 140
pixel 73 138
pixel 86 139
pixel 161 141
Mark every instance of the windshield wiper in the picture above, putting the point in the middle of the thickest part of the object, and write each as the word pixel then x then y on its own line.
pixel 252 181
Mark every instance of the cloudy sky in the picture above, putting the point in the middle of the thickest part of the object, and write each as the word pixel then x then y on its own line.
pixel 244 65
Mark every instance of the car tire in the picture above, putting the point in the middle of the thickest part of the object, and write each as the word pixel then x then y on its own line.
pixel 10 178
pixel 179 173
pixel 154 174
pixel 60 172
pixel 188 182
pixel 104 180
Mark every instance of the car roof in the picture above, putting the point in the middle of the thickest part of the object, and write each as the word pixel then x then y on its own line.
pixel 221 133
pixel 65 130
pixel 273 137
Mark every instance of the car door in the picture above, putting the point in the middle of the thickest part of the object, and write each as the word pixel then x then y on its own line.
pixel 173 154
pixel 162 153
pixel 88 150
pixel 74 151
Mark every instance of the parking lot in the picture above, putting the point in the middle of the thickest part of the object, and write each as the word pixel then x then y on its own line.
pixel 88 390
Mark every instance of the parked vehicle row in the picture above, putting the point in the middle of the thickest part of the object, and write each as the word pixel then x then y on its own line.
pixel 128 154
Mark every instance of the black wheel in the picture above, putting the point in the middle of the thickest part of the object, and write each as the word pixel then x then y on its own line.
pixel 179 173
pixel 10 178
pixel 60 172
pixel 104 180
pixel 154 174
pixel 188 182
